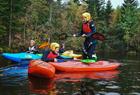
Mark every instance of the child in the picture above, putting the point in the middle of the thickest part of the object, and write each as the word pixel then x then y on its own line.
pixel 52 54
pixel 88 29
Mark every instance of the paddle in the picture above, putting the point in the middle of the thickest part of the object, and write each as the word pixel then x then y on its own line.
pixel 43 45
pixel 63 36
pixel 96 36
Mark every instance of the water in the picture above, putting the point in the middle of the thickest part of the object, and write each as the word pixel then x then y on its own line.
pixel 125 81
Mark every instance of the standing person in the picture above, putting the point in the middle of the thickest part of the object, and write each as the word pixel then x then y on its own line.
pixel 88 29
pixel 32 48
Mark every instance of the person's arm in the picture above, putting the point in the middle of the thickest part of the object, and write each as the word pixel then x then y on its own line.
pixel 79 33
pixel 93 29
pixel 45 58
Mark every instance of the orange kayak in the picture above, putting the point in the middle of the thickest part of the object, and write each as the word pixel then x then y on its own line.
pixel 41 69
pixel 73 66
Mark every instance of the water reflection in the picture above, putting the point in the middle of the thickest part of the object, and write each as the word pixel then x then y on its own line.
pixel 13 75
pixel 57 84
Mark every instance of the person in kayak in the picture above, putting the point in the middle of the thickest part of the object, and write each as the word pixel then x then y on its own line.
pixel 62 48
pixel 32 48
pixel 52 54
pixel 88 29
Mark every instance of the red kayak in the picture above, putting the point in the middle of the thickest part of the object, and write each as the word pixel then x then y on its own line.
pixel 73 66
pixel 47 70
pixel 41 69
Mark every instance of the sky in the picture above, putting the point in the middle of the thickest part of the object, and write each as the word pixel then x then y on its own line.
pixel 116 3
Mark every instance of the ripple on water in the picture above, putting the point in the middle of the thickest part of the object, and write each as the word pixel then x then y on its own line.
pixel 102 83
pixel 113 87
pixel 136 87
pixel 134 93
pixel 108 93
pixel 112 93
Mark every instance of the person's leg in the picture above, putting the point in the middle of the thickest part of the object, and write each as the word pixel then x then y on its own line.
pixel 84 50
pixel 91 51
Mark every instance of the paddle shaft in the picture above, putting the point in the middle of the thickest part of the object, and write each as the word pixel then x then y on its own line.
pixel 96 36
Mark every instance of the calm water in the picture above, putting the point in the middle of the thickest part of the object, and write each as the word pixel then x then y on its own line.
pixel 125 81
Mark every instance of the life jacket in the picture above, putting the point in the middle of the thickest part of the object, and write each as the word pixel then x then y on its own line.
pixel 52 55
pixel 86 27
pixel 32 48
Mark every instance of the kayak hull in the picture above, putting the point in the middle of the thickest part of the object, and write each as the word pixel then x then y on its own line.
pixel 41 69
pixel 19 57
pixel 73 66
pixel 47 70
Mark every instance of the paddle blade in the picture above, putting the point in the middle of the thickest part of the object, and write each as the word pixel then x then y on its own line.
pixel 43 45
pixel 88 61
pixel 98 36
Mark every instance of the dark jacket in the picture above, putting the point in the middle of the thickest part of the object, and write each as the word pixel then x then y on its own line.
pixel 49 56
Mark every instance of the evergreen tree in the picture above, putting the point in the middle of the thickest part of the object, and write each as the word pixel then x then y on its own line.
pixel 11 12
pixel 108 12
pixel 129 20
pixel 96 8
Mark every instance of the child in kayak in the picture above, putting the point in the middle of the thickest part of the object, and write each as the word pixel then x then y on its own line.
pixel 88 29
pixel 52 54
pixel 32 48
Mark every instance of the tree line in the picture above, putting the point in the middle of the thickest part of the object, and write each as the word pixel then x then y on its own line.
pixel 47 20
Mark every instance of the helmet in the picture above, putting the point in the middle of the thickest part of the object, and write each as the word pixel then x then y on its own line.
pixel 87 16
pixel 54 46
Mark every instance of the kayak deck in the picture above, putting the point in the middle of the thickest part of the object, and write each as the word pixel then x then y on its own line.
pixel 72 66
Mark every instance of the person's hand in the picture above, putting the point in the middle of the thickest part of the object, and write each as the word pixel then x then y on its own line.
pixel 55 60
pixel 74 35
pixel 84 35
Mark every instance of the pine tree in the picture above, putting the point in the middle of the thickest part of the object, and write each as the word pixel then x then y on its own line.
pixel 96 8
pixel 108 11
pixel 11 12
pixel 129 20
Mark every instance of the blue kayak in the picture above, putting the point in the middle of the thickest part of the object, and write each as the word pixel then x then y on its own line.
pixel 19 57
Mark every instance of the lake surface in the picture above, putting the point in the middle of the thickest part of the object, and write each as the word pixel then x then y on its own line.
pixel 124 81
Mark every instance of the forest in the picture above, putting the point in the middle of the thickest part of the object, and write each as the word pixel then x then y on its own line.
pixel 55 21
